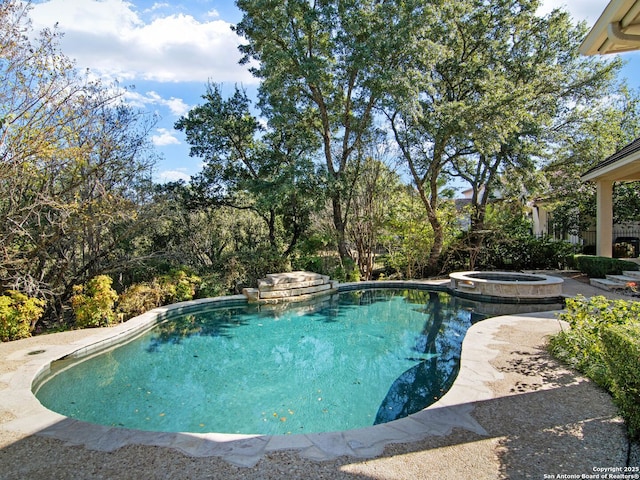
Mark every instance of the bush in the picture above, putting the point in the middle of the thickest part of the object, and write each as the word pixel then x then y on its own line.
pixel 176 286
pixel 347 272
pixel 520 252
pixel 599 267
pixel 93 304
pixel 139 298
pixel 621 345
pixel 604 343
pixel 18 315
pixel 527 252
pixel 211 285
pixel 581 346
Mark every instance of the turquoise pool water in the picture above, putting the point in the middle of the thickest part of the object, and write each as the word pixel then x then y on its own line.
pixel 346 361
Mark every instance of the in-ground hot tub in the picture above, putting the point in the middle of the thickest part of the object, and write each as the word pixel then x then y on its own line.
pixel 507 286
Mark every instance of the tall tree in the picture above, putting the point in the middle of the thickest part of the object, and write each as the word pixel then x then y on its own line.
pixel 250 167
pixel 377 189
pixel 586 138
pixel 327 65
pixel 526 77
pixel 74 162
pixel 504 81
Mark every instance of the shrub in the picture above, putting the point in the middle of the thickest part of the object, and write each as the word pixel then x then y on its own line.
pixel 18 315
pixel 581 346
pixel 178 286
pixel 93 304
pixel 604 343
pixel 599 267
pixel 211 285
pixel 621 345
pixel 347 272
pixel 520 252
pixel 139 298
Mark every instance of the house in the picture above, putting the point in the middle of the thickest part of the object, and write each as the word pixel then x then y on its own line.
pixel 617 30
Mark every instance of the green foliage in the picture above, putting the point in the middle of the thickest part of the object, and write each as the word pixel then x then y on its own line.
pixel 252 167
pixel 75 161
pixel 527 252
pixel 252 265
pixel 587 137
pixel 139 298
pixel 176 286
pixel 346 272
pixel 211 285
pixel 518 252
pixel 93 304
pixel 604 343
pixel 599 267
pixel 626 201
pixel 179 286
pixel 409 238
pixel 581 346
pixel 18 315
pixel 325 67
pixel 621 351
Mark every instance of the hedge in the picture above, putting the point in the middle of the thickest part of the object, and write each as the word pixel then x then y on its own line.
pixel 599 267
pixel 621 351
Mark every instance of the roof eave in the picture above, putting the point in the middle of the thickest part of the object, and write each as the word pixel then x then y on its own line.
pixel 608 35
pixel 615 170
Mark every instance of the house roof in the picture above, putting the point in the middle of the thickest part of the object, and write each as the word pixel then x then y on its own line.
pixel 622 165
pixel 617 29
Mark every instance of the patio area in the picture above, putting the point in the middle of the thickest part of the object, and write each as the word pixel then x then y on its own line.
pixel 514 412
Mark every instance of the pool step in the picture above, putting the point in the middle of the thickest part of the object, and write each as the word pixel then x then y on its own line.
pixel 616 282
pixel 605 284
pixel 624 279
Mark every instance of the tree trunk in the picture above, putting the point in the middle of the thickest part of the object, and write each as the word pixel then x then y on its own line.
pixel 339 224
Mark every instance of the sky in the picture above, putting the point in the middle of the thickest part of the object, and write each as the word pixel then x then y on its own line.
pixel 168 51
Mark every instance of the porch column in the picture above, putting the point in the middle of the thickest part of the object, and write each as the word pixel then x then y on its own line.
pixel 604 218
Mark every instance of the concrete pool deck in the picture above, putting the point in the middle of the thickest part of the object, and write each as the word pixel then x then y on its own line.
pixel 513 412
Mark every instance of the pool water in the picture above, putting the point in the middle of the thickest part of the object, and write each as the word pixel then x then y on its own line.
pixel 347 361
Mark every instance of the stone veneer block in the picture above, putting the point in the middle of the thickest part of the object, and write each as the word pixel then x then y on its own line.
pixel 294 292
pixel 293 277
pixel 252 294
pixel 265 286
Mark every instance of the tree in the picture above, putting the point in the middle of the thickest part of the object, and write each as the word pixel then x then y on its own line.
pixel 375 193
pixel 592 134
pixel 74 165
pixel 505 80
pixel 539 82
pixel 250 167
pixel 326 66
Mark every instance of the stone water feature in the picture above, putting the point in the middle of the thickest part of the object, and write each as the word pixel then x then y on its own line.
pixel 290 287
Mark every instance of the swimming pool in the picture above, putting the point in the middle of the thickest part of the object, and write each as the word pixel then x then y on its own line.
pixel 345 361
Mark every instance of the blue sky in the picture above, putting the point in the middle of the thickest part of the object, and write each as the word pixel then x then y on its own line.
pixel 169 50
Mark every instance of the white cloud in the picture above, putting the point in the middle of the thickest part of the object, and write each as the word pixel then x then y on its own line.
pixel 165 137
pixel 158 6
pixel 109 36
pixel 176 106
pixel 172 176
